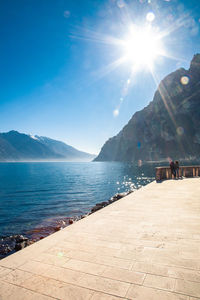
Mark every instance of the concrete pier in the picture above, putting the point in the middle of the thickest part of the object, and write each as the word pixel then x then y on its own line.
pixel 145 246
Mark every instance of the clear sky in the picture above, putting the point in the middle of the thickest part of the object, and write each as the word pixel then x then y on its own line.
pixel 59 75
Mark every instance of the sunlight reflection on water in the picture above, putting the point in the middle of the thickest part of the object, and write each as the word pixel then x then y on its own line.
pixel 33 192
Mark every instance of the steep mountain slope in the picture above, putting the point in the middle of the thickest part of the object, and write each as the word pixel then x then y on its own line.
pixel 15 146
pixel 168 127
pixel 63 149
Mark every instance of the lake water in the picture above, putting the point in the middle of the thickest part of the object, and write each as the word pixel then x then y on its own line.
pixel 34 194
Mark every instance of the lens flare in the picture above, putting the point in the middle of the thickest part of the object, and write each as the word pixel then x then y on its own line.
pixel 120 3
pixel 180 131
pixel 185 80
pixel 116 112
pixel 150 17
pixel 66 14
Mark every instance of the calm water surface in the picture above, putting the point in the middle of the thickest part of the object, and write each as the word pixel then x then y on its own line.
pixel 34 193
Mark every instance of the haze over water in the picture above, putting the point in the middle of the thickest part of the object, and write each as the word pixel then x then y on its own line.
pixel 34 194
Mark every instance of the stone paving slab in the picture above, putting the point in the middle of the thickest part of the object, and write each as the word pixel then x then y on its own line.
pixel 145 246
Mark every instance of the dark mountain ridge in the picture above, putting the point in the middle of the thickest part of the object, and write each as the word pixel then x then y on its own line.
pixel 168 127
pixel 15 146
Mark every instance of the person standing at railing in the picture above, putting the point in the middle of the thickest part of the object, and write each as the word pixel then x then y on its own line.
pixel 172 167
pixel 176 166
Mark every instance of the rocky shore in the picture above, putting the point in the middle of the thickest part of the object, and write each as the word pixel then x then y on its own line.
pixel 112 199
pixel 13 243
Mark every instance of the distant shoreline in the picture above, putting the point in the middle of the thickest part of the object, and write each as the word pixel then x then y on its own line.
pixel 111 161
pixel 44 161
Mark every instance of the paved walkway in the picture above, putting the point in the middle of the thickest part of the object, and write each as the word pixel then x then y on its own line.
pixel 145 246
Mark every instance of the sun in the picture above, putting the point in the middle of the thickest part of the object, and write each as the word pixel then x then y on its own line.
pixel 141 47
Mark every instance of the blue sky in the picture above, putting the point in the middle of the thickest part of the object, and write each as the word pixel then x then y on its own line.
pixel 54 64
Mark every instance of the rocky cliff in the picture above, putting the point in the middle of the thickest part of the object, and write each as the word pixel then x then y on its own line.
pixel 15 146
pixel 168 127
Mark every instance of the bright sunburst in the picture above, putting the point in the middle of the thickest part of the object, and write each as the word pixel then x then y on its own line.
pixel 137 46
pixel 141 47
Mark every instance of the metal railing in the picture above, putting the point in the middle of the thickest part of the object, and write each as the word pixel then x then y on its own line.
pixel 164 172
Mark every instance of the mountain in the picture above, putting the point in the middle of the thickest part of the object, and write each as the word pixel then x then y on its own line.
pixel 15 146
pixel 168 127
pixel 65 150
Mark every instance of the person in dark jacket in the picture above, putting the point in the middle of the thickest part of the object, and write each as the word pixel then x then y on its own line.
pixel 176 166
pixel 172 167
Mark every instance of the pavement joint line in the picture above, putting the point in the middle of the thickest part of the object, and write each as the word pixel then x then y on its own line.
pixel 120 297
pixel 173 292
pixel 12 268
pixel 174 285
pixel 91 296
pixel 128 291
pixel 176 266
pixel 27 289
pixel 131 267
pixel 79 286
pixel 101 264
pixel 100 256
pixel 6 267
pixel 144 279
pixel 106 255
pixel 167 291
pixel 51 279
pixel 99 275
pixel 147 273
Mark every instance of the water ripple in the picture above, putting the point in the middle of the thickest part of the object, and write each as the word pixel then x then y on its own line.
pixel 31 192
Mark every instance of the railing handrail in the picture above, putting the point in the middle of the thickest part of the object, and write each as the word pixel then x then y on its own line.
pixel 168 167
